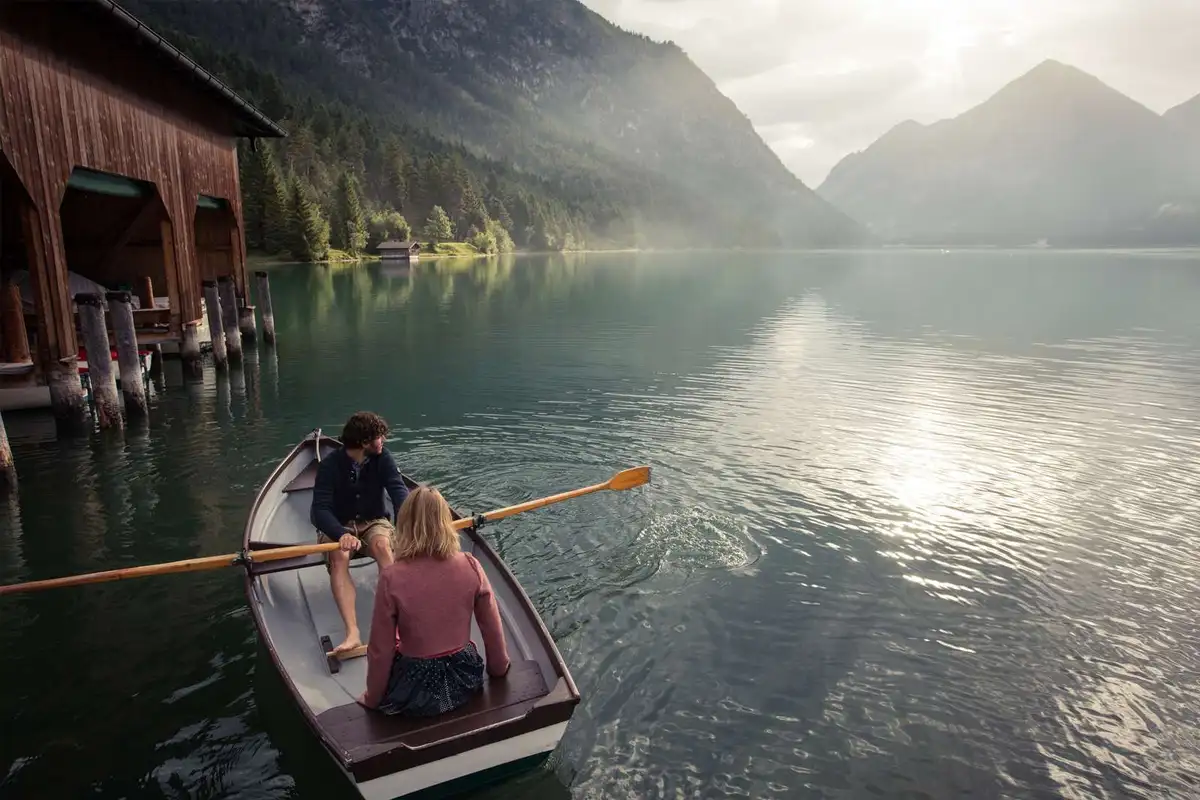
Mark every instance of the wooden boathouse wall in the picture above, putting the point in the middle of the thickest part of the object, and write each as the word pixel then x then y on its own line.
pixel 82 87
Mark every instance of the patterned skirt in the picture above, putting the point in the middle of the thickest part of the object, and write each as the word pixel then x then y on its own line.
pixel 426 687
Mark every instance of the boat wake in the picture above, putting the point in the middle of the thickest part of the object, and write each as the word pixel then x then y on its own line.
pixel 680 545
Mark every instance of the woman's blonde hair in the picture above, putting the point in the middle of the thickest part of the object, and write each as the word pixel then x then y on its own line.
pixel 423 527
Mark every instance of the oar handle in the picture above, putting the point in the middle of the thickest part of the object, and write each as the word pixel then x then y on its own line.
pixel 172 567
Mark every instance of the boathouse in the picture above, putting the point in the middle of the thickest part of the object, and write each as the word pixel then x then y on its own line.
pixel 404 251
pixel 118 171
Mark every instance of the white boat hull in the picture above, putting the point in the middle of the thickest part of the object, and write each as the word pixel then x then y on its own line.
pixel 464 765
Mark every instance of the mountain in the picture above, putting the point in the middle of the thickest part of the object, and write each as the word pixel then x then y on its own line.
pixel 1186 115
pixel 620 140
pixel 1055 155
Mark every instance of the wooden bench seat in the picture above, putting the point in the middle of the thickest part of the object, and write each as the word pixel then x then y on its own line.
pixel 363 733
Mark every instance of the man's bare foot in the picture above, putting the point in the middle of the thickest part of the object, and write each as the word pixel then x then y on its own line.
pixel 351 641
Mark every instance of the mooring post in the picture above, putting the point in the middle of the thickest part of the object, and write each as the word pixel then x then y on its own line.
pixel 133 387
pixel 233 337
pixel 189 352
pixel 264 304
pixel 101 376
pixel 156 361
pixel 246 321
pixel 8 470
pixel 67 401
pixel 216 327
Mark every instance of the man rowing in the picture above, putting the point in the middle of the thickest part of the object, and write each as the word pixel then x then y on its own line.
pixel 348 508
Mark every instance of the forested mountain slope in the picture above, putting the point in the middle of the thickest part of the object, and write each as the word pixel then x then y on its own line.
pixel 536 114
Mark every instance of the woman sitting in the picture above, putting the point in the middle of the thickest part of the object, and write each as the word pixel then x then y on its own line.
pixel 420 657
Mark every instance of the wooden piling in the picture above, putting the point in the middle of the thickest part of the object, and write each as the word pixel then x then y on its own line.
pixel 264 304
pixel 233 337
pixel 216 327
pixel 246 322
pixel 133 389
pixel 12 318
pixel 8 470
pixel 156 361
pixel 67 401
pixel 101 376
pixel 189 352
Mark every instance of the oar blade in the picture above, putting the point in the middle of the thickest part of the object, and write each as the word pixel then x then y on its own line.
pixel 629 479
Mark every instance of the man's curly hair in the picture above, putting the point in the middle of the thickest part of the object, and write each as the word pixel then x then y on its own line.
pixel 361 428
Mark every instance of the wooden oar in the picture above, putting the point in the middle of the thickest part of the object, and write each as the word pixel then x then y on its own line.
pixel 626 479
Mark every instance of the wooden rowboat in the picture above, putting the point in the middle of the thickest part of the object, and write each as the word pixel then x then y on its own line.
pixel 513 725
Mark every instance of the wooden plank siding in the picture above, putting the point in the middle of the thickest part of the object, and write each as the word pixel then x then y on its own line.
pixel 57 113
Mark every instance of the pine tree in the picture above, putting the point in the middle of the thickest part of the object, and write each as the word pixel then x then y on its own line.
pixel 275 215
pixel 437 227
pixel 470 210
pixel 395 169
pixel 349 219
pixel 418 195
pixel 309 240
pixel 504 242
pixel 498 211
pixel 251 178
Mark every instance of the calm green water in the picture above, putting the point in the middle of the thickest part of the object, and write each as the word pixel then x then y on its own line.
pixel 921 525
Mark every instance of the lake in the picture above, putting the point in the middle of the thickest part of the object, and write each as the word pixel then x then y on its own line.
pixel 921 524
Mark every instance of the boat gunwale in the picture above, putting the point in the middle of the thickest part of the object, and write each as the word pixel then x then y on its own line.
pixel 368 767
pixel 255 606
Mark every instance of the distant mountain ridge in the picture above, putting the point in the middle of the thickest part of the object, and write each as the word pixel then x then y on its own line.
pixel 1056 155
pixel 1186 114
pixel 633 139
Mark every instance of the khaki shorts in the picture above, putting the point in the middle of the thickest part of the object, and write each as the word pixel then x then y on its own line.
pixel 365 531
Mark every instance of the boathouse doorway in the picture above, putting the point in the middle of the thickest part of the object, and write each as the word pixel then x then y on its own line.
pixel 218 244
pixel 116 235
pixel 17 339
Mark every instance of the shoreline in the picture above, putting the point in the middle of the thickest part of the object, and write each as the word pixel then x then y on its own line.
pixel 259 260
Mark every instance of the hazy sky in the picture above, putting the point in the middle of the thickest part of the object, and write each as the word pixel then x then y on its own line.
pixel 823 78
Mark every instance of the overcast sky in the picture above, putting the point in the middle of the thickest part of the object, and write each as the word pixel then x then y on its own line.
pixel 823 78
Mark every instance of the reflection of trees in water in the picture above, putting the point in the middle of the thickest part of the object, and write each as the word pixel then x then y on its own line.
pixel 492 274
pixel 455 287
pixel 361 295
pixel 404 313
pixel 322 294
pixel 394 292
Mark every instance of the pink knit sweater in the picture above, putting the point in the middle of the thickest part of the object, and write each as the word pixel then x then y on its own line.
pixel 423 608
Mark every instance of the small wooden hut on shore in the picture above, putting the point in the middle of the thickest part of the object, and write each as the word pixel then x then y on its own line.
pixel 118 171
pixel 392 250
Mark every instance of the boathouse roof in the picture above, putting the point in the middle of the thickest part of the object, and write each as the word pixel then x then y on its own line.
pixel 106 21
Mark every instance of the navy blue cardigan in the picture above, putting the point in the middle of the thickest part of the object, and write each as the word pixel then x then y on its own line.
pixel 338 498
